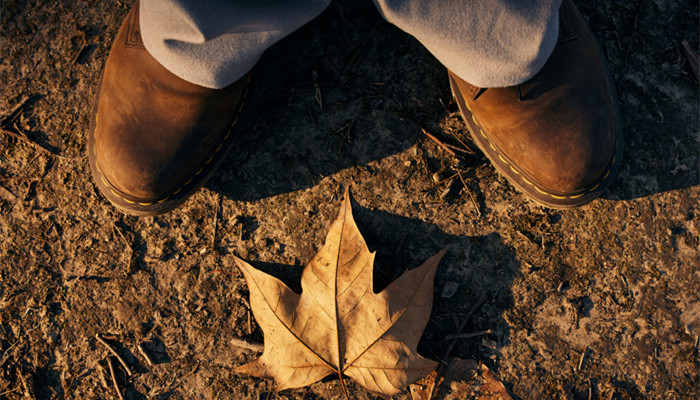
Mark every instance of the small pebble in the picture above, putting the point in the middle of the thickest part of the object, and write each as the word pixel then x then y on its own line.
pixel 449 290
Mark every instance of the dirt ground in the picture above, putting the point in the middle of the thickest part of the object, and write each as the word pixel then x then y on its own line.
pixel 603 298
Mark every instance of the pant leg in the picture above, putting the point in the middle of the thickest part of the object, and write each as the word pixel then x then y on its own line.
pixel 213 43
pixel 488 43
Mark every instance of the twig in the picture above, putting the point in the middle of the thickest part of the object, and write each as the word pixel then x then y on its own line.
pixel 5 355
pixel 11 390
pixel 468 335
pixel 560 287
pixel 110 361
pixel 466 148
pixel 111 350
pixel 80 53
pixel 438 141
pixel 27 140
pixel 359 50
pixel 12 115
pixel 250 328
pixel 119 231
pixel 471 195
pixel 247 344
pixel 583 357
pixel 196 367
pixel 590 389
pixel 28 393
pixel 144 354
pixel 441 368
pixel 216 221
pixel 451 186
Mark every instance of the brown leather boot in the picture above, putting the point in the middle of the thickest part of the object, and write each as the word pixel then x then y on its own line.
pixel 557 137
pixel 154 138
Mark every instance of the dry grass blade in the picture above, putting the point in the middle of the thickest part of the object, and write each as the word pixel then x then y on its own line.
pixel 471 195
pixel 693 59
pixel 468 335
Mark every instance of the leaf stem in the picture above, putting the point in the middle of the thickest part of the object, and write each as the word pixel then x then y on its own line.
pixel 342 385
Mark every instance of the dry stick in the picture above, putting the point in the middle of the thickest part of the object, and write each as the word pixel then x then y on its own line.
pixel 560 287
pixel 250 328
pixel 468 335
pixel 111 350
pixel 119 231
pixel 448 147
pixel 247 344
pixel 455 148
pixel 583 357
pixel 11 390
pixel 441 368
pixel 466 149
pixel 28 393
pixel 110 361
pixel 27 140
pixel 144 354
pixel 196 367
pixel 216 219
pixel 12 115
pixel 471 195
pixel 438 141
pixel 80 53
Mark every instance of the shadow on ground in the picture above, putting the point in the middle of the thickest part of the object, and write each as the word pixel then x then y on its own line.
pixel 473 267
pixel 320 103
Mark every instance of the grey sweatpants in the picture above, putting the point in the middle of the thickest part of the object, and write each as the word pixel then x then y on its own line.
pixel 488 43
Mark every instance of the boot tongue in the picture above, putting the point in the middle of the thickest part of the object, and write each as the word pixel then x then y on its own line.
pixel 566 23
pixel 133 34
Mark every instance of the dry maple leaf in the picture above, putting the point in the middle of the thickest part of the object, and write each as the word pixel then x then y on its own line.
pixel 338 325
